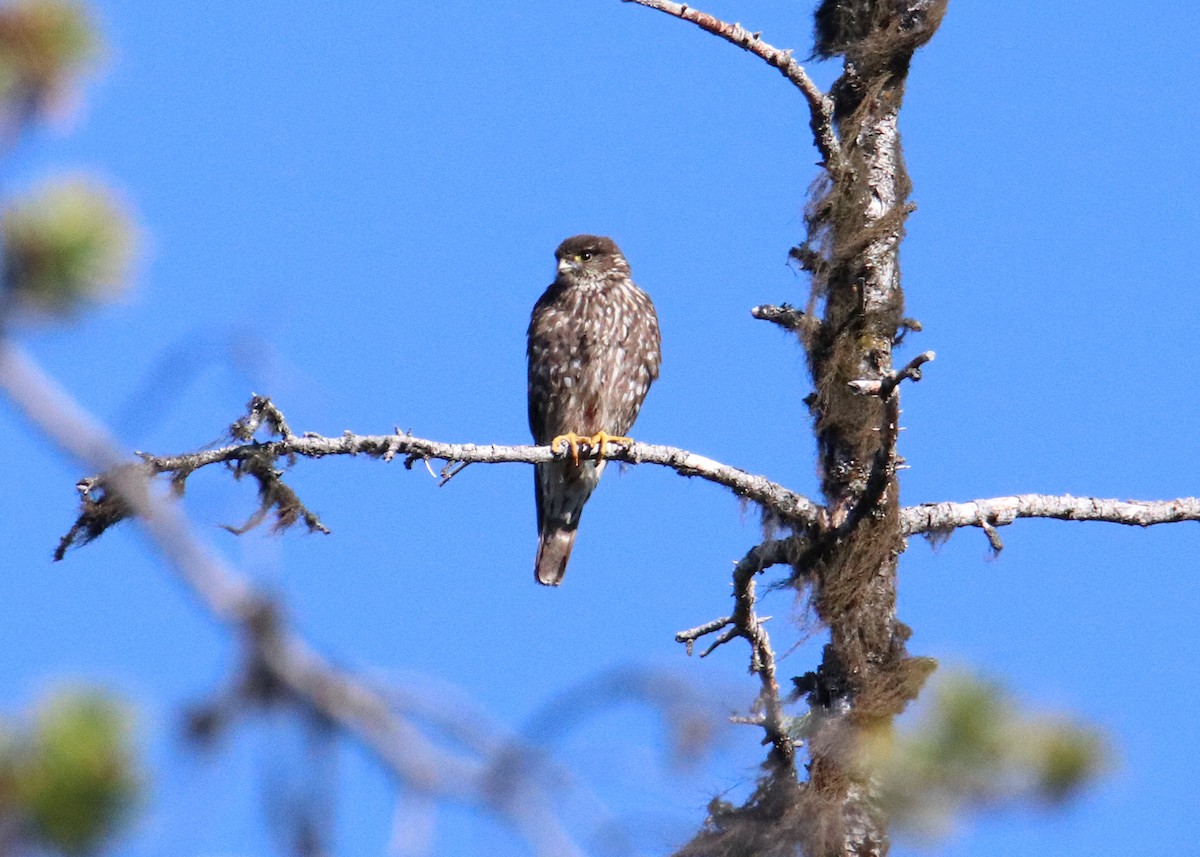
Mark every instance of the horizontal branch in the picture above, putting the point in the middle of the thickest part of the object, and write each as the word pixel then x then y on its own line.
pixel 1001 511
pixel 785 315
pixel 885 386
pixel 820 105
pixel 787 505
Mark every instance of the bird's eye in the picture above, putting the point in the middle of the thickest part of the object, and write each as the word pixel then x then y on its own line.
pixel 586 257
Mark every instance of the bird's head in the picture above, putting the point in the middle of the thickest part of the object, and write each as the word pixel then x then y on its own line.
pixel 589 258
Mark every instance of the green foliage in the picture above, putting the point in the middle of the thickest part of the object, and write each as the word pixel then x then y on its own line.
pixel 66 243
pixel 973 749
pixel 69 779
pixel 44 46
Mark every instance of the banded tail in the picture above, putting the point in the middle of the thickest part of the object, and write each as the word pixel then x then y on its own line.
pixel 554 549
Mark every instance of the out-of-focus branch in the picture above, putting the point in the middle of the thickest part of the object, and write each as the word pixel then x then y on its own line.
pixel 359 710
pixel 1002 511
pixel 820 105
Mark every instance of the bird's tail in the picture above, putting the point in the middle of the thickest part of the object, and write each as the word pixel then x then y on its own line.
pixel 554 549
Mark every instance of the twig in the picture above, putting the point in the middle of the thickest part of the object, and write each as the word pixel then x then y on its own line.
pixel 786 316
pixel 820 105
pixel 1002 511
pixel 725 636
pixel 747 719
pixel 451 470
pixel 885 462
pixel 885 386
pixel 993 536
pixel 261 411
pixel 689 637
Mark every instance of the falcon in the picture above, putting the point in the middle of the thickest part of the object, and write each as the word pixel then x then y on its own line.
pixel 594 349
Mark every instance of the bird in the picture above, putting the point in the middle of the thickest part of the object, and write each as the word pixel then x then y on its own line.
pixel 594 348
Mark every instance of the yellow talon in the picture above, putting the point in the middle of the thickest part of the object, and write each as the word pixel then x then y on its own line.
pixel 602 437
pixel 572 441
pixel 595 443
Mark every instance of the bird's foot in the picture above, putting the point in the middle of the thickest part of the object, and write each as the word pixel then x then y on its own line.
pixel 595 443
pixel 572 441
pixel 598 440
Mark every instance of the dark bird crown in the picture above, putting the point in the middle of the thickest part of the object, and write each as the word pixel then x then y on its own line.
pixel 585 248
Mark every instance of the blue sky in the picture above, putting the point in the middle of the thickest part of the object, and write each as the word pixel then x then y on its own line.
pixel 354 213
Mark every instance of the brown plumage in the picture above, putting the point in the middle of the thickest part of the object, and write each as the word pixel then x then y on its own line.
pixel 594 349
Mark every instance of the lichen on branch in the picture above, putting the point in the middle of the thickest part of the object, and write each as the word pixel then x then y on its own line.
pixel 266 462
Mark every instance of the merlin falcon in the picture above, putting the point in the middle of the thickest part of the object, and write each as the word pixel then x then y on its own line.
pixel 594 349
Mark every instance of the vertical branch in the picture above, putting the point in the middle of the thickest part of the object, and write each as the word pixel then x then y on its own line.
pixel 855 224
pixel 855 227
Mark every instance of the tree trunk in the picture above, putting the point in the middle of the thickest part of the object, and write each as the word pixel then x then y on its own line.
pixel 855 226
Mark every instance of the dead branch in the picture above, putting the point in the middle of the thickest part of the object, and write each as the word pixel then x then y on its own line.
pixel 746 623
pixel 885 386
pixel 787 505
pixel 261 411
pixel 785 315
pixel 820 105
pixel 886 462
pixel 1002 511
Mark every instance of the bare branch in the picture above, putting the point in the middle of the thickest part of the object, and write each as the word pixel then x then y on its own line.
pixel 785 315
pixel 1002 511
pixel 261 411
pixel 746 623
pixel 885 463
pixel 690 636
pixel 820 105
pixel 885 386
pixel 789 506
pixel 993 536
pixel 730 633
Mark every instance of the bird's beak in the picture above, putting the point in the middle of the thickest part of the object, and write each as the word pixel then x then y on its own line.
pixel 567 264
